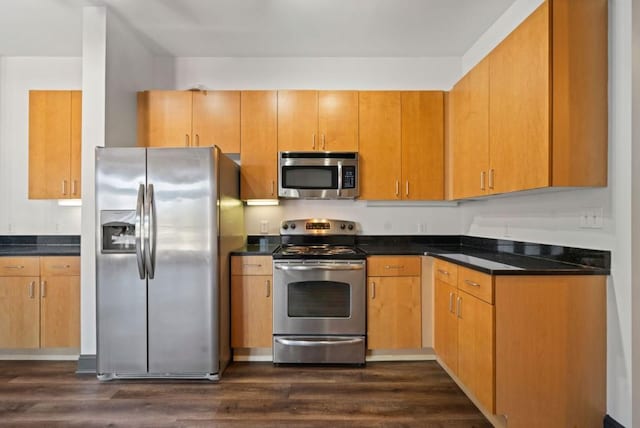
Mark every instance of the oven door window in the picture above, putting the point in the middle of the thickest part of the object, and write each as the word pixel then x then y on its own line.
pixel 310 177
pixel 319 299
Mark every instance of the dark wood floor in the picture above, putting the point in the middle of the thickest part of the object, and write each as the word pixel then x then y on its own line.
pixel 416 394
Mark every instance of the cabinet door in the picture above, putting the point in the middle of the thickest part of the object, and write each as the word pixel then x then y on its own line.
pixel 60 312
pixel 259 145
pixel 216 120
pixel 519 107
pixel 394 313
pixel 49 144
pixel 469 137
pixel 476 348
pixel 379 146
pixel 251 311
pixel 298 121
pixel 446 324
pixel 338 120
pixel 19 312
pixel 166 119
pixel 422 145
pixel 76 144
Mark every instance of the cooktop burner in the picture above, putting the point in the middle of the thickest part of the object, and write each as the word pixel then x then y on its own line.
pixel 317 249
pixel 319 239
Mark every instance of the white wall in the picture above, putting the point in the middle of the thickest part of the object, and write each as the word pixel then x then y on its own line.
pixel 18 214
pixel 554 218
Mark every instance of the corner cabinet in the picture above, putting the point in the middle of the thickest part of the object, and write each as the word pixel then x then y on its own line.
pixel 39 302
pixel 251 301
pixel 540 98
pixel 189 119
pixel 259 145
pixel 401 145
pixel 394 310
pixel 318 121
pixel 55 132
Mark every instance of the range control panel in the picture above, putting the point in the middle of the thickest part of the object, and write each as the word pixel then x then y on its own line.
pixel 317 226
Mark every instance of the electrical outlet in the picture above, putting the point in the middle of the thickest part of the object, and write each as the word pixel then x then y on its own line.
pixel 422 227
pixel 264 226
pixel 592 218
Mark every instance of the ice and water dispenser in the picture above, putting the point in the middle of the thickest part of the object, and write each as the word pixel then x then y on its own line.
pixel 118 231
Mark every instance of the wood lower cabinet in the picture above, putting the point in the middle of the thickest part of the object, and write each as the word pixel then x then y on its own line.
pixel 55 129
pixel 189 119
pixel 259 145
pixel 251 302
pixel 446 324
pixel 40 302
pixel 394 318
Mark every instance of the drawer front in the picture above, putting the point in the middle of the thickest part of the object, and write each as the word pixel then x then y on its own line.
pixel 393 266
pixel 476 283
pixel 251 265
pixel 62 266
pixel 445 272
pixel 19 266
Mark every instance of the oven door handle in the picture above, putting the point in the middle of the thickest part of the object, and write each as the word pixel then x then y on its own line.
pixel 303 342
pixel 319 267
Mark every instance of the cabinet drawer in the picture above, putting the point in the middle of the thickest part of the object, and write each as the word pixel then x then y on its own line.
pixel 445 272
pixel 19 266
pixel 393 266
pixel 476 283
pixel 65 266
pixel 251 265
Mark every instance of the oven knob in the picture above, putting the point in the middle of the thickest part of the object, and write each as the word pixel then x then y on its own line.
pixel 293 225
pixel 350 227
pixel 285 226
pixel 342 226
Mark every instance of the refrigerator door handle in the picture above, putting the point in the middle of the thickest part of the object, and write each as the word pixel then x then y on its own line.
pixel 150 232
pixel 139 238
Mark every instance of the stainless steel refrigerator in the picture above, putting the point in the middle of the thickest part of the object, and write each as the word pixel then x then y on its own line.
pixel 167 219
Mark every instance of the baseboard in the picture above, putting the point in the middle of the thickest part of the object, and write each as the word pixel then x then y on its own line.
pixel 609 422
pixel 87 364
pixel 44 354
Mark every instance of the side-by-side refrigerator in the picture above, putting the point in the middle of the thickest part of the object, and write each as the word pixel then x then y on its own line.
pixel 167 219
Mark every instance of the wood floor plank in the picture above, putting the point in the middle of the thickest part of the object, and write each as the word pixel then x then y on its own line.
pixel 406 394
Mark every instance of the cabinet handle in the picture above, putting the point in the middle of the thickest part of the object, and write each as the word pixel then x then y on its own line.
pixel 407 188
pixel 64 187
pixel 397 187
pixel 73 187
pixel 373 290
pixel 471 283
pixel 443 272
pixel 197 140
pixel 450 302
pixel 268 283
pixel 459 310
pixel 394 267
pixel 313 141
pixel 186 136
pixel 323 143
pixel 491 172
pixel 60 266
pixel 482 176
pixel 252 264
pixel 32 289
pixel 273 187
pixel 14 267
pixel 43 289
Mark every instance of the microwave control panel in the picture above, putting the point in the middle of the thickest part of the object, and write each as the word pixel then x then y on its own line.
pixel 348 177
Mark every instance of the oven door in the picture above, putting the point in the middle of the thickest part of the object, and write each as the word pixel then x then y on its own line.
pixel 319 297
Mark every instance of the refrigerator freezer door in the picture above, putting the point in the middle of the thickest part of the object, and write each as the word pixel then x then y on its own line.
pixel 121 294
pixel 183 296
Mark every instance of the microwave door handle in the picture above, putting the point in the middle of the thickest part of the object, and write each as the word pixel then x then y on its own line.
pixel 339 178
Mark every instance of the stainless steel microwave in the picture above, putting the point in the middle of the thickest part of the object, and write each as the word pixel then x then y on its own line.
pixel 318 175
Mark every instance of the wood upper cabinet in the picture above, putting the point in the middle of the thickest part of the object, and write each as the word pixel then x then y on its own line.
pixel 401 145
pixel 543 93
pixel 251 302
pixel 469 133
pixel 394 318
pixel 59 302
pixel 259 145
pixel 380 155
pixel 55 129
pixel 422 145
pixel 317 120
pixel 189 119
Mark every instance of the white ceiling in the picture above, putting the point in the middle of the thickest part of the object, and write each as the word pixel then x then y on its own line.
pixel 259 28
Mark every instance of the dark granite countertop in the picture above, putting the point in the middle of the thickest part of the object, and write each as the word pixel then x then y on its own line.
pixel 45 245
pixel 258 246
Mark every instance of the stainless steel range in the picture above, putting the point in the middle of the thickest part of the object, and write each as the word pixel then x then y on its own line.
pixel 319 294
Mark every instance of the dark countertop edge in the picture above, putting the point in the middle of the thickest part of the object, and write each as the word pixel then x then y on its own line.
pixel 41 252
